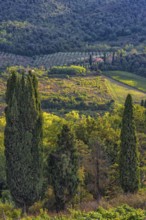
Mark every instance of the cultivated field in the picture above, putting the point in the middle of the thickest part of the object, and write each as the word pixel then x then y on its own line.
pixel 46 61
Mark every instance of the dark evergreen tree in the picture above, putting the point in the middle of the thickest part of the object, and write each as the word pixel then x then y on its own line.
pixel 90 60
pixel 129 155
pixel 104 57
pixel 63 167
pixel 23 138
pixel 142 102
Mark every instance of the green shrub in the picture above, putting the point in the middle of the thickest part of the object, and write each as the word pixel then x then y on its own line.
pixel 136 201
pixel 36 207
pixel 68 70
pixel 123 212
pixel 9 212
pixel 6 196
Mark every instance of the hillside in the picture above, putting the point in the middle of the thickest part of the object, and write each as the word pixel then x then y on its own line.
pixel 87 94
pixel 30 27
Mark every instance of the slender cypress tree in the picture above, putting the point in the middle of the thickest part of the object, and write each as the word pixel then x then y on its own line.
pixel 129 155
pixel 63 167
pixel 90 60
pixel 142 102
pixel 23 138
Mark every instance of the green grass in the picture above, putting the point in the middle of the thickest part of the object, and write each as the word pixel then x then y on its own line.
pixel 119 92
pixel 129 79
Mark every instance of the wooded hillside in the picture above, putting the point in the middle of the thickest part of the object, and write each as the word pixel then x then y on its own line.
pixel 31 27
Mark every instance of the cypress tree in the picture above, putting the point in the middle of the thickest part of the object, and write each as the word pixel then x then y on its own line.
pixel 90 60
pixel 129 155
pixel 23 138
pixel 63 167
pixel 142 102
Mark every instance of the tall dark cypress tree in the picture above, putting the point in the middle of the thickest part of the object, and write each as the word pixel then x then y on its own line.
pixel 23 138
pixel 90 60
pixel 142 102
pixel 63 168
pixel 129 155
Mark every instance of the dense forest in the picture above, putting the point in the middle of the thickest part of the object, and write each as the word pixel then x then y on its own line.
pixel 45 26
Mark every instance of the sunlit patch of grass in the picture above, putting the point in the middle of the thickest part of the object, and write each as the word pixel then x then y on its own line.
pixel 128 78
pixel 119 93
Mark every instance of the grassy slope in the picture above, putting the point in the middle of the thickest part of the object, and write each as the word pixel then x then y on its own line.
pixel 119 92
pixel 71 91
pixel 129 79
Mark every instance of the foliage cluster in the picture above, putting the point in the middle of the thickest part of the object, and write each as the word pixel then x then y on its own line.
pixel 123 212
pixel 134 63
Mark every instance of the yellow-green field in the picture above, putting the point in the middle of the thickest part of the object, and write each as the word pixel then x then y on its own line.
pixel 119 92
pixel 128 78
pixel 87 94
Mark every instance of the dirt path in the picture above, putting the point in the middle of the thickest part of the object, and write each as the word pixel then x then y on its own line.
pixel 123 84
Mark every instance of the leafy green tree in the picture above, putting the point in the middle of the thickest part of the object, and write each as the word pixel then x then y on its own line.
pixel 2 156
pixel 23 139
pixel 63 168
pixel 129 155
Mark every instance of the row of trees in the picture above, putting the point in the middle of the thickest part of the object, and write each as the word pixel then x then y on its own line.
pixel 23 149
pixel 134 63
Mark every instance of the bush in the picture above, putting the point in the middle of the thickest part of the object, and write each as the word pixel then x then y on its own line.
pixel 35 208
pixel 123 212
pixel 134 200
pixel 7 211
pixel 67 70
pixel 6 196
